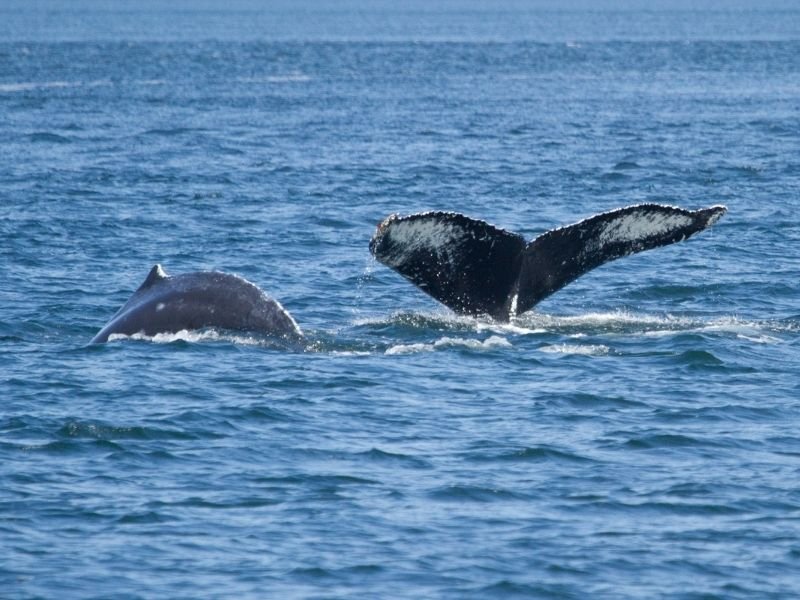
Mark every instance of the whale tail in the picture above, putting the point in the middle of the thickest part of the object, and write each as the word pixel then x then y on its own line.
pixel 476 268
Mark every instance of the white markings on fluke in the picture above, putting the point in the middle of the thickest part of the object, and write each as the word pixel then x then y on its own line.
pixel 638 227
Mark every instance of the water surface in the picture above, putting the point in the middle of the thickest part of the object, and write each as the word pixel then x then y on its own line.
pixel 634 436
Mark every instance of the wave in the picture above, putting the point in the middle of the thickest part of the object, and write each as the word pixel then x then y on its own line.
pixel 174 131
pixel 49 138
pixel 613 322
pixel 31 86
pixel 437 321
pixel 619 321
pixel 523 454
pixel 286 78
pixel 625 322
pixel 474 493
pixel 106 431
pixel 26 86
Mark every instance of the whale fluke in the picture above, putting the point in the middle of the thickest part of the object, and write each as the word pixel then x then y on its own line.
pixel 475 268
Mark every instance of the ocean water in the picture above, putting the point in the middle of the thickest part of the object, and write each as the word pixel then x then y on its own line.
pixel 634 436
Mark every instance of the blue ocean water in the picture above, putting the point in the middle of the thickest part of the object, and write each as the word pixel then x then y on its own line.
pixel 635 436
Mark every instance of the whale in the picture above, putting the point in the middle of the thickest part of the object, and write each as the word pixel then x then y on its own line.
pixel 203 299
pixel 471 266
pixel 475 268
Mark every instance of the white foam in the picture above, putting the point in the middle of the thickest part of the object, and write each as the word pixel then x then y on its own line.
pixel 539 322
pixel 442 316
pixel 506 328
pixel 33 85
pixel 193 336
pixel 27 86
pixel 746 330
pixel 585 350
pixel 449 320
pixel 450 342
pixel 627 324
pixel 759 339
pixel 612 323
pixel 287 78
pixel 409 349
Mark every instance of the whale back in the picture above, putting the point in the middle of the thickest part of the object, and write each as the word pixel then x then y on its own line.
pixel 164 304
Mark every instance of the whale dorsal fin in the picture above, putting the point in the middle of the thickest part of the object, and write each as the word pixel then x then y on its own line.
pixel 156 275
pixel 468 265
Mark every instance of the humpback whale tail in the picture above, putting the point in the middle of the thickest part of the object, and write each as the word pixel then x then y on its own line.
pixel 476 268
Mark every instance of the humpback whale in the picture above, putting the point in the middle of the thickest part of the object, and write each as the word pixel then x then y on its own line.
pixel 165 304
pixel 475 268
pixel 472 267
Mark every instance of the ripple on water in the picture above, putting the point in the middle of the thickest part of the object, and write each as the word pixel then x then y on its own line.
pixel 660 441
pixel 583 401
pixel 391 458
pixel 698 360
pixel 472 493
pixel 47 137
pixel 105 431
pixel 74 447
pixel 534 454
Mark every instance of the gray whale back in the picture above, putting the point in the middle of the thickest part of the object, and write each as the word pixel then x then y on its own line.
pixel 165 304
